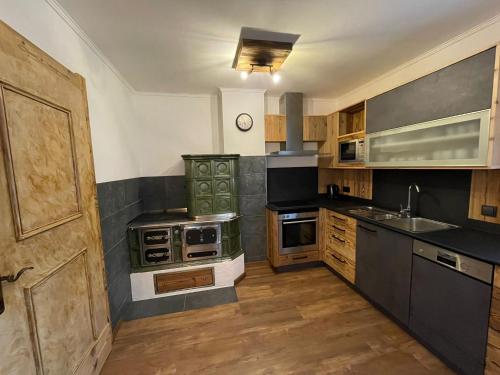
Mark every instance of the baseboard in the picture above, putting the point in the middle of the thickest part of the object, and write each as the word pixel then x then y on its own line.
pixel 240 278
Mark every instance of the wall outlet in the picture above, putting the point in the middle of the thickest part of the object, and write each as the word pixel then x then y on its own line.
pixel 346 189
pixel 489 210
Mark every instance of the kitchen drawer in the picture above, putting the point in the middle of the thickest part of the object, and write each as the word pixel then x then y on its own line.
pixel 348 234
pixel 341 264
pixel 345 249
pixel 173 281
pixel 339 221
pixel 297 258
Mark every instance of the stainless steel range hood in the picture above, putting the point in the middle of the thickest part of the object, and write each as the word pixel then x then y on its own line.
pixel 291 105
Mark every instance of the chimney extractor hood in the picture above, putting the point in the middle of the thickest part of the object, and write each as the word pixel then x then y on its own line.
pixel 291 105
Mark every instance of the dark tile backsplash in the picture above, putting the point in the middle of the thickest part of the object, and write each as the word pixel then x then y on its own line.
pixel 253 206
pixel 119 202
pixel 160 193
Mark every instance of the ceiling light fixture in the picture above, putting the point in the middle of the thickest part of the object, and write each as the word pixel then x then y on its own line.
pixel 275 75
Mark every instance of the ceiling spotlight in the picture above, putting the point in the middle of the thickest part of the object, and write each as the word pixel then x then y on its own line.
pixel 244 75
pixel 276 77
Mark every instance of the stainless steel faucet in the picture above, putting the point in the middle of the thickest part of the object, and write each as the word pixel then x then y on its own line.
pixel 406 212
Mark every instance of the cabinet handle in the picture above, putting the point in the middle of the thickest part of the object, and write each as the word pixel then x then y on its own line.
pixel 340 229
pixel 338 238
pixel 368 230
pixel 338 218
pixel 337 258
pixel 298 258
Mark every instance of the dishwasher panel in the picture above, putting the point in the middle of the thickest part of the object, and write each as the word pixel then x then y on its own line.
pixel 449 312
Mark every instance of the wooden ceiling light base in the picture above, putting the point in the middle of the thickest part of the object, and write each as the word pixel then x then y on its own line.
pixel 254 55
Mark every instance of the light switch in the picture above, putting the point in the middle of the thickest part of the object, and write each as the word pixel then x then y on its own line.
pixel 489 210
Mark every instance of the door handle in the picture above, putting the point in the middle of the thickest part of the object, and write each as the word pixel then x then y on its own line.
pixel 10 279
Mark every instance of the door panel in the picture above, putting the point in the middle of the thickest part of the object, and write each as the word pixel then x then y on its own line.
pixel 60 347
pixel 42 172
pixel 56 317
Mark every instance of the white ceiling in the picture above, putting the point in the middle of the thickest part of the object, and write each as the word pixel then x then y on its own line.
pixel 187 46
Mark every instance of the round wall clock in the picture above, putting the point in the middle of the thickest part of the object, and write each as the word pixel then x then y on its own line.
pixel 244 122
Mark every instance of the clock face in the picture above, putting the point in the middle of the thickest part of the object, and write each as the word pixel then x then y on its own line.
pixel 244 122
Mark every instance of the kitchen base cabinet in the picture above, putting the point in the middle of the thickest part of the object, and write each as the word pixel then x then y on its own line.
pixel 383 268
pixel 339 243
pixel 449 313
pixel 280 259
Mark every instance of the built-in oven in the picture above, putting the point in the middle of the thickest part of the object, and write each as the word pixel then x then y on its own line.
pixel 298 232
pixel 352 151
pixel 201 241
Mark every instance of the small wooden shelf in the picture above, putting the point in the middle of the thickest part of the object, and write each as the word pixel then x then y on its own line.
pixel 355 135
pixel 352 120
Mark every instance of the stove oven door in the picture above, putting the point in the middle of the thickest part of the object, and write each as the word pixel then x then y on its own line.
pixel 299 233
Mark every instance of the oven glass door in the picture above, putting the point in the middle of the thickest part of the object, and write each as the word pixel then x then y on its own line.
pixel 298 235
pixel 348 151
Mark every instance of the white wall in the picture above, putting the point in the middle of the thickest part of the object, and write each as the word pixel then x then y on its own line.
pixel 171 125
pixel 312 106
pixel 112 118
pixel 467 44
pixel 234 102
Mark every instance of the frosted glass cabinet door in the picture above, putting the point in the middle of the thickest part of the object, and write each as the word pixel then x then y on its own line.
pixel 453 141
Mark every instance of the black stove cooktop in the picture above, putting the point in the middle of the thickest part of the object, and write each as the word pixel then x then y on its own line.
pixel 293 205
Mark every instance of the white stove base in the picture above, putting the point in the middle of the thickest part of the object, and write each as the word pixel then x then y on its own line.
pixel 224 274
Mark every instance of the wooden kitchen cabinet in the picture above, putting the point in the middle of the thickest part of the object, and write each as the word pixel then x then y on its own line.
pixel 314 128
pixel 275 128
pixel 328 150
pixel 339 243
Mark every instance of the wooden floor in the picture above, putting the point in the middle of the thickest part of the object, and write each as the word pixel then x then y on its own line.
pixel 306 322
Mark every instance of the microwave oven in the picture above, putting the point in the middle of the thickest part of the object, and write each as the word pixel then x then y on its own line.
pixel 352 151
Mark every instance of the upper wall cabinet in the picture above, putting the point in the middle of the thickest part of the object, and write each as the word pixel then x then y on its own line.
pixel 275 128
pixel 464 87
pixel 454 141
pixel 446 119
pixel 314 128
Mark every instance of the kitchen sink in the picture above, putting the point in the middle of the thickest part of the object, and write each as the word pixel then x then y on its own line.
pixel 393 219
pixel 373 213
pixel 418 224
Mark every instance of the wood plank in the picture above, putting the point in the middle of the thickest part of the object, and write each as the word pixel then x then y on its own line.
pixel 172 281
pixel 307 322
pixel 359 181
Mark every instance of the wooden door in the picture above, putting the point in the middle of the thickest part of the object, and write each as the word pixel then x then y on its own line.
pixel 56 318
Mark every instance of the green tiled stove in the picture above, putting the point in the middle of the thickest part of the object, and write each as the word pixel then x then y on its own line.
pixel 212 185
pixel 209 231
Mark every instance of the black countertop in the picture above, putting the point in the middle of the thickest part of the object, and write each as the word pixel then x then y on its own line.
pixel 481 245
